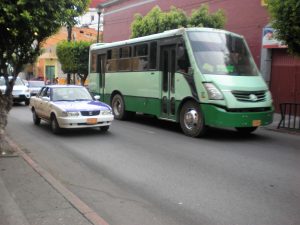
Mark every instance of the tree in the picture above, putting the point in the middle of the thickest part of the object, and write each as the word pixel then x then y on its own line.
pixel 157 21
pixel 202 18
pixel 285 19
pixel 74 58
pixel 24 24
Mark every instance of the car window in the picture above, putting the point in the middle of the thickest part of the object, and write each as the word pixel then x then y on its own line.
pixel 70 94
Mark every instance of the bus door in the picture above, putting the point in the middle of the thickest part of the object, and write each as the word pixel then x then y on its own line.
pixel 101 63
pixel 167 66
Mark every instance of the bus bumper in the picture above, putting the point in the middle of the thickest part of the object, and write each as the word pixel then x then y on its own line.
pixel 220 117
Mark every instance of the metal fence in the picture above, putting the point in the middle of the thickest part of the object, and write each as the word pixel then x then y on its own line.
pixel 290 116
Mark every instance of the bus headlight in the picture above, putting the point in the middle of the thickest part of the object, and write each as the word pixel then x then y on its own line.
pixel 213 91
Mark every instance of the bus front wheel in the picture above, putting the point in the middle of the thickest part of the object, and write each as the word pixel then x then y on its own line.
pixel 245 130
pixel 192 120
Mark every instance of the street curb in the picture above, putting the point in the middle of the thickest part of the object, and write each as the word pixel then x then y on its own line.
pixel 76 202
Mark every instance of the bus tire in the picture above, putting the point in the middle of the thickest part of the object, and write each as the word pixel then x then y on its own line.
pixel 245 130
pixel 118 107
pixel 192 120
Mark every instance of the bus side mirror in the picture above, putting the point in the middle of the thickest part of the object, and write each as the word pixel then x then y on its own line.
pixel 180 52
pixel 190 71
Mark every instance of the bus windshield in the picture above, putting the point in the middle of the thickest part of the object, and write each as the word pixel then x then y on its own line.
pixel 221 54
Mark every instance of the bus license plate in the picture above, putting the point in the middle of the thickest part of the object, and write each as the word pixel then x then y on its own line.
pixel 91 121
pixel 256 123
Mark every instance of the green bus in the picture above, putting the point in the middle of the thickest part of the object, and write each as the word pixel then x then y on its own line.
pixel 197 77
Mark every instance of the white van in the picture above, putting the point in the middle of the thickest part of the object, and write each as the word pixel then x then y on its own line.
pixel 20 92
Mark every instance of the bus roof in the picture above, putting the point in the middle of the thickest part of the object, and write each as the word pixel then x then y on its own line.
pixel 169 33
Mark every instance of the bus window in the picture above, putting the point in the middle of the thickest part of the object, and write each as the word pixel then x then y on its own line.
pixel 93 64
pixel 125 59
pixel 153 52
pixel 111 63
pixel 183 62
pixel 140 59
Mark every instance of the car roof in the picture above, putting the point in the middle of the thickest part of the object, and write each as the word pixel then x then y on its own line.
pixel 64 86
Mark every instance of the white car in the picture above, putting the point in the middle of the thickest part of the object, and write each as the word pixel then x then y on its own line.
pixel 35 86
pixel 20 91
pixel 69 106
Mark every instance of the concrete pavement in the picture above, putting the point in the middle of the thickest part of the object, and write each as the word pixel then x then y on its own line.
pixel 29 195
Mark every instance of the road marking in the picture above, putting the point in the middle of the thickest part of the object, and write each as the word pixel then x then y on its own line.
pixel 76 202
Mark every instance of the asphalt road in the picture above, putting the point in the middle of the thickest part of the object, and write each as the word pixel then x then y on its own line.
pixel 146 172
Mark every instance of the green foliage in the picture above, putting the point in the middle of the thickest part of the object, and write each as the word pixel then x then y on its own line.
pixel 24 24
pixel 157 21
pixel 202 18
pixel 285 19
pixel 74 57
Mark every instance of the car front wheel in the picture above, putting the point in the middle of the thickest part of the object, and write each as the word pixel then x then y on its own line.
pixel 54 125
pixel 104 128
pixel 36 119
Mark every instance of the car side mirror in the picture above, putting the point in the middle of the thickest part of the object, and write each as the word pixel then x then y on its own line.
pixel 97 97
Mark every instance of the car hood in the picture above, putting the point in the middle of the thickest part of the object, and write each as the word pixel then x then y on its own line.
pixel 74 106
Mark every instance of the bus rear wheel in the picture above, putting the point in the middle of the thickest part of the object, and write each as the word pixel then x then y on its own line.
pixel 118 107
pixel 192 119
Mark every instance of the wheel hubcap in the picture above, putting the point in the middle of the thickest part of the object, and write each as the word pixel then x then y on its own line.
pixel 117 107
pixel 191 119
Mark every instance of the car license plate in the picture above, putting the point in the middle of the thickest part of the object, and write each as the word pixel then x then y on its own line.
pixel 91 121
pixel 256 123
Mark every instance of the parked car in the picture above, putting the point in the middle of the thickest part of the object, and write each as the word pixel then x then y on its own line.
pixel 69 106
pixel 20 90
pixel 35 86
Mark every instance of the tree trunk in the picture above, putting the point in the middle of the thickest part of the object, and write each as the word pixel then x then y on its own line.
pixel 5 107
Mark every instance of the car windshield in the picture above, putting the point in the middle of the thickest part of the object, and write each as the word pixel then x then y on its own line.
pixel 222 54
pixel 71 94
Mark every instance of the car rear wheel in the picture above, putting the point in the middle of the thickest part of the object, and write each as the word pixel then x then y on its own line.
pixel 27 101
pixel 54 125
pixel 36 119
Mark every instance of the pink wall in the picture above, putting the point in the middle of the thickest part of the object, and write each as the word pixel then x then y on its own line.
pixel 246 17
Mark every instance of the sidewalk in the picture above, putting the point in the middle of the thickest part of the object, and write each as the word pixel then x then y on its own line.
pixel 29 195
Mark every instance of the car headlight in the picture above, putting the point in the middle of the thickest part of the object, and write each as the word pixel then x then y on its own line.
pixel 70 114
pixel 106 112
pixel 213 92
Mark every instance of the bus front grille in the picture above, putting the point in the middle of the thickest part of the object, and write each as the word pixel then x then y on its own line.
pixel 250 96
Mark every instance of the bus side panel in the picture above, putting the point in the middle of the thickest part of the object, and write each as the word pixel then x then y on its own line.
pixel 216 116
pixel 182 90
pixel 140 90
